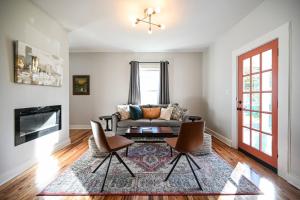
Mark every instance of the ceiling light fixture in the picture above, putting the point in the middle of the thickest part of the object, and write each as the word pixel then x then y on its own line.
pixel 148 12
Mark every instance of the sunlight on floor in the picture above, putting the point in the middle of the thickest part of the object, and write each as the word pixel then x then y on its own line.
pixel 47 164
pixel 267 187
pixel 45 145
pixel 46 170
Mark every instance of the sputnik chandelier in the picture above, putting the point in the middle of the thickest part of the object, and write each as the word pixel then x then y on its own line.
pixel 148 13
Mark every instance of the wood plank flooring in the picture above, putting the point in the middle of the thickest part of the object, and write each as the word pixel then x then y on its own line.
pixel 33 180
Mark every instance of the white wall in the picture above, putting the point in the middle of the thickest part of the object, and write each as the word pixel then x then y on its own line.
pixel 110 81
pixel 217 71
pixel 21 20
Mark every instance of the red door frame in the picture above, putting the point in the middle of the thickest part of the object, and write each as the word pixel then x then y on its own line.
pixel 271 160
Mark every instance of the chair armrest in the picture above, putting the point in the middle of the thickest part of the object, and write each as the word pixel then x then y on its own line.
pixel 115 120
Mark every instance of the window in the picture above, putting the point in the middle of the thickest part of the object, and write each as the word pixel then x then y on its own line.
pixel 149 83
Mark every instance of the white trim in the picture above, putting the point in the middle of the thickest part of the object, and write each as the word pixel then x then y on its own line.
pixel 294 180
pixel 284 82
pixel 219 136
pixel 21 168
pixel 80 126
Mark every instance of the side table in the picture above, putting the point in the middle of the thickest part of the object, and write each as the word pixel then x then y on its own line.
pixel 107 118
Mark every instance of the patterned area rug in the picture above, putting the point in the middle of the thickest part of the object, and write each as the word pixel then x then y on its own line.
pixel 150 164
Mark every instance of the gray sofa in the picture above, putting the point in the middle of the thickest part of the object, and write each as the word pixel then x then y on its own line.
pixel 120 126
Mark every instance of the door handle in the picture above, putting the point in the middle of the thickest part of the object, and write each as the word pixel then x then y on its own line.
pixel 239 109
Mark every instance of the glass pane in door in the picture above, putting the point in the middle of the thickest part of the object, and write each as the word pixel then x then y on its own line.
pixel 246 101
pixel 255 120
pixel 267 81
pixel 246 66
pixel 255 101
pixel 266 121
pixel 266 102
pixel 246 118
pixel 246 83
pixel 255 83
pixel 255 63
pixel 266 145
pixel 255 139
pixel 267 60
pixel 246 136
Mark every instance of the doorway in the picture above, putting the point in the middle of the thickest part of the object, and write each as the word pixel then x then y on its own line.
pixel 258 103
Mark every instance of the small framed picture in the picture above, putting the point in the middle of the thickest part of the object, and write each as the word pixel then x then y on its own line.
pixel 81 84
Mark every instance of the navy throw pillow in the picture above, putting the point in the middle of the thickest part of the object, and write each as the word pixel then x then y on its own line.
pixel 135 112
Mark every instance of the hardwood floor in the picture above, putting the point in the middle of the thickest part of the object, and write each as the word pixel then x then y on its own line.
pixel 33 180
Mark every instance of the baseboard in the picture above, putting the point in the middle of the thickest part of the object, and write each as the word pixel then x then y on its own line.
pixel 80 126
pixel 294 180
pixel 23 167
pixel 220 137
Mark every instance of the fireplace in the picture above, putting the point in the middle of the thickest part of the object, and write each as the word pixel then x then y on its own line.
pixel 34 122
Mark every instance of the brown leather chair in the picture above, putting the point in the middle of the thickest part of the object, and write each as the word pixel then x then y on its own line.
pixel 109 145
pixel 189 139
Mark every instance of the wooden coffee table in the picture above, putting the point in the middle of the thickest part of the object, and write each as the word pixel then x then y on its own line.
pixel 149 133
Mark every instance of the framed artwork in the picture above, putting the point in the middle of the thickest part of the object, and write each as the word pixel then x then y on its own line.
pixel 81 85
pixel 36 67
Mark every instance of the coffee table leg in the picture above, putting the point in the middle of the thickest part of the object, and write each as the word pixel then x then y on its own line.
pixel 127 151
pixel 107 128
pixel 171 151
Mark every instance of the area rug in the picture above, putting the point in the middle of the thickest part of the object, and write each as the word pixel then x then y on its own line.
pixel 150 164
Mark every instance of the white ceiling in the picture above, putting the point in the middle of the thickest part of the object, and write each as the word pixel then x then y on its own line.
pixel 105 25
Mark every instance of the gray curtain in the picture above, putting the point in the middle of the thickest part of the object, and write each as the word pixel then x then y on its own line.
pixel 164 97
pixel 134 96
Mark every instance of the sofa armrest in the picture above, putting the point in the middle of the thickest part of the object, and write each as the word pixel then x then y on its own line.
pixel 115 120
pixel 185 118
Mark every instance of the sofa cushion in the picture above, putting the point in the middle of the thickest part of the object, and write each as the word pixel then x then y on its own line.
pixel 151 113
pixel 135 112
pixel 166 113
pixel 161 122
pixel 130 122
pixel 124 111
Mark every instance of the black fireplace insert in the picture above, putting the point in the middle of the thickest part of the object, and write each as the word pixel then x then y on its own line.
pixel 34 122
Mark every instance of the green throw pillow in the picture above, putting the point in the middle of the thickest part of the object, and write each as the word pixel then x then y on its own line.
pixel 135 112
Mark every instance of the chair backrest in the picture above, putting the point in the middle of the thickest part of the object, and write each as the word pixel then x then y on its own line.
pixel 99 137
pixel 190 136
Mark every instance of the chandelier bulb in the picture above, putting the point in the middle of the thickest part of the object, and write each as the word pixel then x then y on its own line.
pixel 162 26
pixel 150 31
pixel 157 10
pixel 150 11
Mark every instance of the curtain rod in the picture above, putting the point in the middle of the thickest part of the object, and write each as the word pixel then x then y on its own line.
pixel 150 62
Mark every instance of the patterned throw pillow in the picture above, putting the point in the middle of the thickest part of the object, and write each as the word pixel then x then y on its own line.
pixel 151 113
pixel 178 112
pixel 135 112
pixel 166 113
pixel 124 111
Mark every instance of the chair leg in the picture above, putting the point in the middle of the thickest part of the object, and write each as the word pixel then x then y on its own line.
pixel 193 172
pixel 111 155
pixel 179 156
pixel 127 151
pixel 174 159
pixel 193 161
pixel 121 160
pixel 100 163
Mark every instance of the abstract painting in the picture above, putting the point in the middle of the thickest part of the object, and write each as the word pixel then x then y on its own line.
pixel 81 85
pixel 37 67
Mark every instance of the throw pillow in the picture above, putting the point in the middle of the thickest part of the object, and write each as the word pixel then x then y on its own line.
pixel 166 113
pixel 178 112
pixel 135 112
pixel 151 113
pixel 124 111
